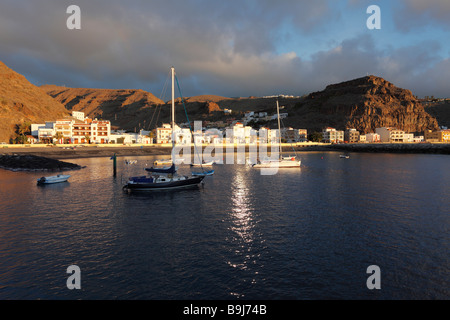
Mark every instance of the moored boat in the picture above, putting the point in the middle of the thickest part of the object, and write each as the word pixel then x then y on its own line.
pixel 162 182
pixel 163 162
pixel 278 163
pixel 53 179
pixel 164 178
pixel 204 173
pixel 209 163
pixel 281 162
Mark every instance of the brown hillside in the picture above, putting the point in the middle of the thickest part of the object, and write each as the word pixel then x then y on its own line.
pixel 124 107
pixel 364 104
pixel 439 110
pixel 22 101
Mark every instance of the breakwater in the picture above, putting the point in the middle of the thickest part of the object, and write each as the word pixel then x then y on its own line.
pixel 432 148
pixel 30 162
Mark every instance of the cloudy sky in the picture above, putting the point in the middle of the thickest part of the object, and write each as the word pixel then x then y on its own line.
pixel 229 48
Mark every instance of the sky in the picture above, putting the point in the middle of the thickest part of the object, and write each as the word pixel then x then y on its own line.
pixel 233 48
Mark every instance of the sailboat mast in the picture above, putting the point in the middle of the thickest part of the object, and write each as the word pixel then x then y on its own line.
pixel 279 127
pixel 173 107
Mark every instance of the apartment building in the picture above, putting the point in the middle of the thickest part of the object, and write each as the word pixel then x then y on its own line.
pixel 438 136
pixel 77 129
pixel 389 134
pixel 351 135
pixel 164 134
pixel 331 135
pixel 372 137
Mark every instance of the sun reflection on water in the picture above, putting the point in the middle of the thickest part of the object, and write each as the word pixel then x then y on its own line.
pixel 244 235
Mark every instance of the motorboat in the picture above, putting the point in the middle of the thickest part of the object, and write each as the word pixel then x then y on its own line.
pixel 53 179
pixel 163 162
pixel 204 173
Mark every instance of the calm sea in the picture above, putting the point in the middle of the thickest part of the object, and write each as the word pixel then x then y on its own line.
pixel 308 233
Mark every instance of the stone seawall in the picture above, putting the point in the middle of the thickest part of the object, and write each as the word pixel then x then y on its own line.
pixel 432 148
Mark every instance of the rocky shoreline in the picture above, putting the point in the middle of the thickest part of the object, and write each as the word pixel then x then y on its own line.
pixel 428 148
pixel 47 158
pixel 30 162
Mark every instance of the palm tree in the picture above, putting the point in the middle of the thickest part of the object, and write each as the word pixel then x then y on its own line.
pixel 58 136
pixel 21 130
pixel 24 128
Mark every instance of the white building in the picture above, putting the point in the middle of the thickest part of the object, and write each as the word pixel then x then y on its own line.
pixel 264 135
pixel 241 134
pixel 164 134
pixel 78 115
pixel 73 131
pixel 238 133
pixel 389 134
pixel 213 136
pixel 372 137
pixel 331 135
pixel 183 136
pixel 408 137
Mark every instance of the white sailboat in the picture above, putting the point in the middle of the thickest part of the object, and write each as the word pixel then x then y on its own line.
pixel 204 163
pixel 164 178
pixel 281 162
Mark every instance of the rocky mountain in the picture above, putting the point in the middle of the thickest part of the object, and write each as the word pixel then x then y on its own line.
pixel 21 101
pixel 125 108
pixel 364 104
pixel 440 110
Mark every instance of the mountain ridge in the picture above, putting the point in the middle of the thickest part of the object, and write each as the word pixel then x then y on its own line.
pixel 363 103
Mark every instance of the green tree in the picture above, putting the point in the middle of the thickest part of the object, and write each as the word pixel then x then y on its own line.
pixel 22 130
pixel 58 136
pixel 315 136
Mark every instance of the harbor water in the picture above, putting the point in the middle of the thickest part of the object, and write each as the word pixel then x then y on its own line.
pixel 308 233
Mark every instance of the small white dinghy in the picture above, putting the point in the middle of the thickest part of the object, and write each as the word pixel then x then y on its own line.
pixel 53 179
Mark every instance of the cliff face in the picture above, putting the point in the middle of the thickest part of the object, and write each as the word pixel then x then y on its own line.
pixel 21 101
pixel 439 110
pixel 365 104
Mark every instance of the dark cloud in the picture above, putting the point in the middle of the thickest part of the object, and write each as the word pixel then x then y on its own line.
pixel 419 14
pixel 227 48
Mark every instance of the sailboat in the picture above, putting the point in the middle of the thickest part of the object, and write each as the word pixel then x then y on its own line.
pixel 282 162
pixel 164 178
